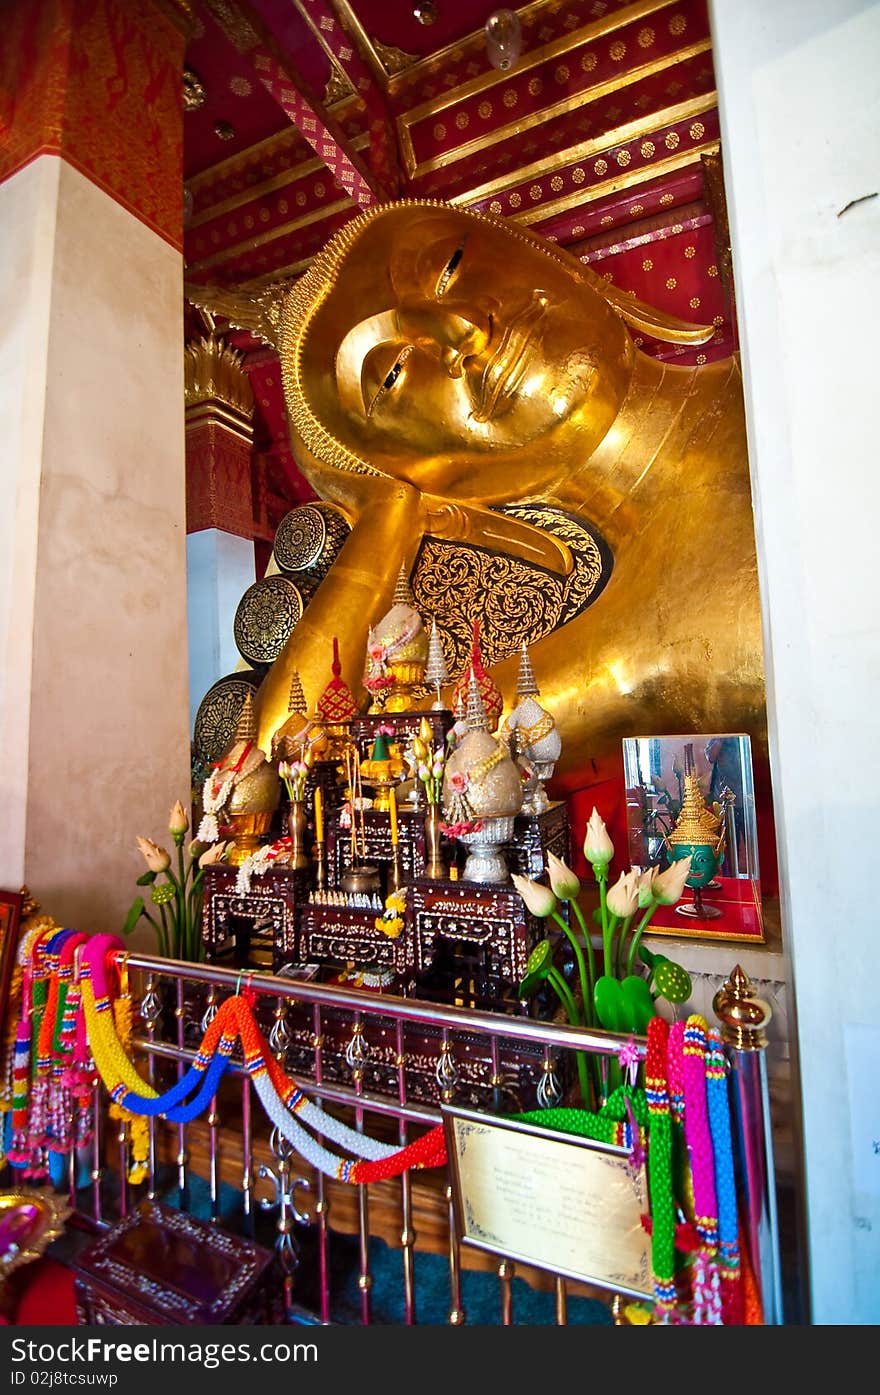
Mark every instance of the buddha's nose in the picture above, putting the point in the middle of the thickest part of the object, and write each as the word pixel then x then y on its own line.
pixel 453 330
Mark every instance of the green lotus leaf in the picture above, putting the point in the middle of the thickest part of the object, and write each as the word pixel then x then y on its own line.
pixel 609 1004
pixel 672 981
pixel 637 1003
pixel 538 966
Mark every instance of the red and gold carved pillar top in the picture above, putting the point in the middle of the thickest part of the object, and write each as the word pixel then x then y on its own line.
pixel 219 439
pixel 98 82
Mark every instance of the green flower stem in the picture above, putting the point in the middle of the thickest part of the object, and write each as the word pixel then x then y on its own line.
pixel 588 946
pixel 586 983
pixel 194 910
pixel 164 937
pixel 600 872
pixel 621 940
pixel 181 894
pixel 558 983
pixel 161 934
pixel 634 943
pixel 608 933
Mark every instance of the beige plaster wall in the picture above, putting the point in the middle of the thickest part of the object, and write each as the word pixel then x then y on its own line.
pixel 108 711
pixel 800 106
pixel 27 242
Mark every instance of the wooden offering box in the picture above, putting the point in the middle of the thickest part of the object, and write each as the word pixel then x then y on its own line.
pixel 159 1267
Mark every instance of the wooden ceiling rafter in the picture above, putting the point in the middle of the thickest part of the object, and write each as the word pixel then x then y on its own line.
pixel 243 28
pixel 342 54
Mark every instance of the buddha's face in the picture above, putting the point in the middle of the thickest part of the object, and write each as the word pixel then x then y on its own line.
pixel 464 357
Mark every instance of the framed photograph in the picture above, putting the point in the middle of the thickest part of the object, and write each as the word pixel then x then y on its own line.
pixel 552 1200
pixel 10 919
pixel 694 794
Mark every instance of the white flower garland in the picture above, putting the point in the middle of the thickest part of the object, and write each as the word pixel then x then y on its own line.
pixel 212 802
pixel 258 863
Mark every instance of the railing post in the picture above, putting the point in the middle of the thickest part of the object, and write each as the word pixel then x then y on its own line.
pixel 743 1017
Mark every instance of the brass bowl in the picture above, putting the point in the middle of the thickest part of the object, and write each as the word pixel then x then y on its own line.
pixel 30 1219
pixel 360 879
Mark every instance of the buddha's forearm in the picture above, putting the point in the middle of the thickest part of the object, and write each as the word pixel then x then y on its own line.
pixel 354 595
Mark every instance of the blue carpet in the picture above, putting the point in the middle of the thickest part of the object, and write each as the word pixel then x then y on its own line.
pixel 481 1291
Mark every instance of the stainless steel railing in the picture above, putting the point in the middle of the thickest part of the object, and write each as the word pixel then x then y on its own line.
pixel 391 1062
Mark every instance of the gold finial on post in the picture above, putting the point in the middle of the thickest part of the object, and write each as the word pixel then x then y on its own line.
pixel 742 1014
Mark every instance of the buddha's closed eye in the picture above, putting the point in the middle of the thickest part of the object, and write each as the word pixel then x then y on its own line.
pixel 449 270
pixel 392 375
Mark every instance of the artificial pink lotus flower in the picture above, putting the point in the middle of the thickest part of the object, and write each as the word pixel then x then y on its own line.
pixel 539 899
pixel 156 858
pixel 669 885
pixel 563 880
pixel 623 896
pixel 598 847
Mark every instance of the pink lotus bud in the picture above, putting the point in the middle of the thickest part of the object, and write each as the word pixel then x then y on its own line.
pixel 563 880
pixel 215 853
pixel 539 899
pixel 156 858
pixel 598 847
pixel 646 888
pixel 623 897
pixel 669 885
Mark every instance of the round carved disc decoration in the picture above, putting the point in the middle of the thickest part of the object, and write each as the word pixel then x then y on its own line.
pixel 266 614
pixel 300 538
pixel 218 714
pixel 308 539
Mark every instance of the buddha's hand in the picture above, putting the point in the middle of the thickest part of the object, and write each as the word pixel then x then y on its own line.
pixel 497 532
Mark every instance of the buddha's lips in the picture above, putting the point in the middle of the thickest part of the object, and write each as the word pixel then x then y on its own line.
pixel 504 370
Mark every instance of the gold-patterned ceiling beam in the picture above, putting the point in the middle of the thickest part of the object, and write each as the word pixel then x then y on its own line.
pixel 646 128
pixel 276 234
pixel 245 32
pixel 617 182
pixel 255 192
pixel 571 102
pixel 344 58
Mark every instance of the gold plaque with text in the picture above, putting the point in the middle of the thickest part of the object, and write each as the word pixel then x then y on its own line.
pixel 553 1200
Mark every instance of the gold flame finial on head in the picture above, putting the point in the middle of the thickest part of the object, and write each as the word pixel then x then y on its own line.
pixel 246 728
pixel 297 700
pixel 402 590
pixel 526 683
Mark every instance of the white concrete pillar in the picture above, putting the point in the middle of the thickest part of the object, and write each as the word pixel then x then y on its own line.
pixel 220 568
pixel 799 87
pixel 93 681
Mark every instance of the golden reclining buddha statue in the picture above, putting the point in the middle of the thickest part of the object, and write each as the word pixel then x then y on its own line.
pixel 440 365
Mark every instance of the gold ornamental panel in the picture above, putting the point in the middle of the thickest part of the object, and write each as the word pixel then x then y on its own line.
pixel 513 600
pixel 265 618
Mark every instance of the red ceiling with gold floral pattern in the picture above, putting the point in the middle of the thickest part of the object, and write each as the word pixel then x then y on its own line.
pixel 603 135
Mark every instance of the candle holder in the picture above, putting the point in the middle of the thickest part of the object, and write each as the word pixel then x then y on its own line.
pixel 320 865
pixel 395 872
